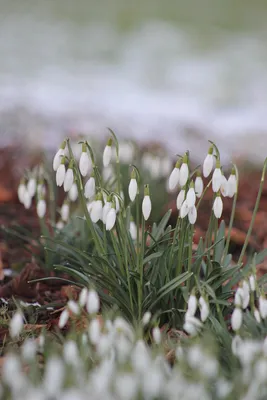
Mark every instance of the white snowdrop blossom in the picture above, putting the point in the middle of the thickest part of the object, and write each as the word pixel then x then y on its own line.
pixel 94 331
pixel 63 319
pixel 204 309
pixel 239 294
pixel 132 190
pixel 208 163
pixel 96 211
pixel 27 200
pixel 224 186
pixel 21 191
pixel 16 325
pixel 199 186
pixel 83 297
pixel 217 178
pixel 73 307
pixel 146 204
pixel 58 156
pixel 192 305
pixel 184 209
pixel 191 197
pixel 184 172
pixel 133 230
pixel 41 208
pixel 257 315
pixel 61 172
pixel 217 207
pixel 263 307
pixel 32 186
pixel 156 334
pixel 111 219
pixel 29 349
pixel 107 153
pixel 246 295
pixel 60 225
pixel 73 193
pixel 236 319
pixel 93 302
pixel 175 176
pixel 106 209
pixel 85 163
pixel 69 179
pixel 180 199
pixel 65 212
pixel 192 325
pixel 89 189
pixel 146 318
pixel 232 184
pixel 192 215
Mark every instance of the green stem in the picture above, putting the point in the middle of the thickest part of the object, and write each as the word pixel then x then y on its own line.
pixel 141 270
pixel 190 253
pixel 254 213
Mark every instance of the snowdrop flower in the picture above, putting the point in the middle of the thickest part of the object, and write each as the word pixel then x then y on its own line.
pixel 94 331
pixel 175 176
pixel 41 190
pixel 246 295
pixel 146 204
pixel 70 353
pixel 156 334
pixel 184 171
pixel 236 319
pixel 217 177
pixel 41 208
pixel 192 325
pixel 83 297
pixel 97 210
pixel 27 200
pixel 111 218
pixel 106 209
pixel 224 186
pixel 232 184
pixel 69 178
pixel 73 307
pixel 133 188
pixel 208 163
pixel 107 153
pixel 239 294
pixel 89 189
pixel 252 283
pixel 16 325
pixel 192 215
pixel 60 153
pixel 192 305
pixel 263 307
pixel 146 318
pixel 29 349
pixel 257 315
pixel 63 319
pixel 32 186
pixel 73 193
pixel 61 172
pixel 65 211
pixel 93 302
pixel 191 196
pixel 53 377
pixel 21 191
pixel 126 386
pixel 218 206
pixel 180 199
pixel 199 186
pixel 204 309
pixel 184 209
pixel 85 162
pixel 133 230
pixel 60 225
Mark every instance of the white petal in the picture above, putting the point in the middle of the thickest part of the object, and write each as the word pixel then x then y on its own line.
pixel 174 178
pixel 96 212
pixel 133 230
pixel 191 197
pixel 106 209
pixel 73 193
pixel 107 156
pixel 199 186
pixel 216 180
pixel 89 189
pixel 236 319
pixel 146 207
pixel 184 209
pixel 21 192
pixel 192 305
pixel 60 175
pixel 27 200
pixel 93 302
pixel 65 211
pixel 224 186
pixel 31 187
pixel 232 185
pixel 57 159
pixel 68 181
pixel 192 215
pixel 208 165
pixel 41 208
pixel 184 174
pixel 85 163
pixel 132 189
pixel 111 219
pixel 218 207
pixel 180 199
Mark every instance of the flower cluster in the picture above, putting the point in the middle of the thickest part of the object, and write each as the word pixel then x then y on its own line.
pixel 192 324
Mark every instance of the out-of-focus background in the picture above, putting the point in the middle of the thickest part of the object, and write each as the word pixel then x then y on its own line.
pixel 176 71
